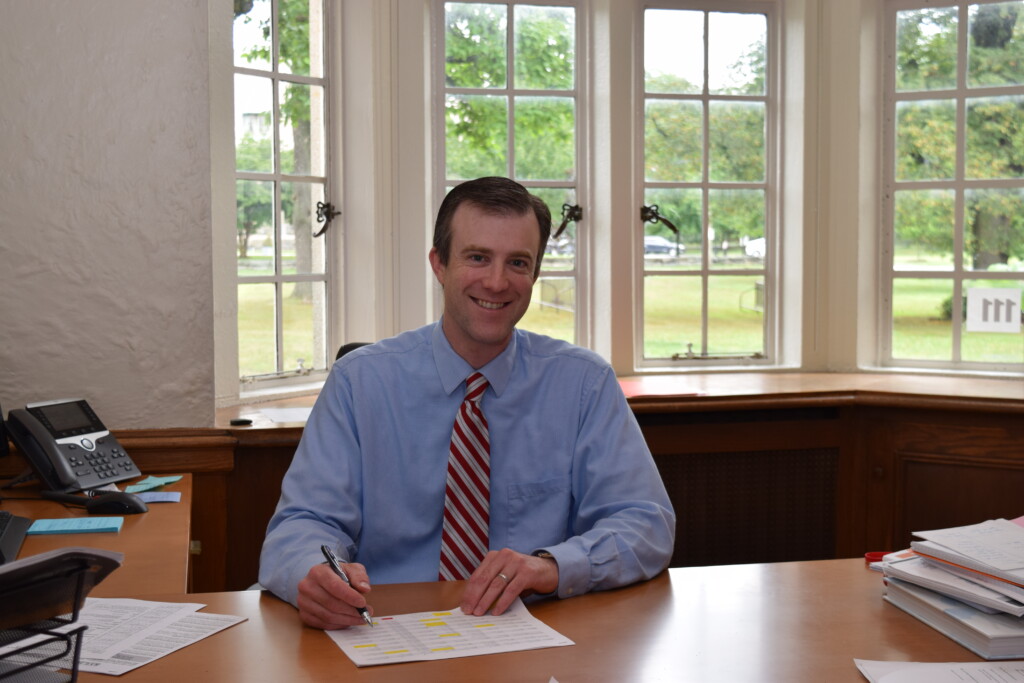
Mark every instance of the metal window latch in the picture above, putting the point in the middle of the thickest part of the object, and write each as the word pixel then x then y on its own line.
pixel 570 212
pixel 649 214
pixel 325 213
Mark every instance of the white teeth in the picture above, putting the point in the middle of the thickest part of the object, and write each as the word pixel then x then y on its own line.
pixel 489 304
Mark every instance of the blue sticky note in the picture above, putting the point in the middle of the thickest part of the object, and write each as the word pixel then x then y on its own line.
pixel 151 482
pixel 160 496
pixel 76 525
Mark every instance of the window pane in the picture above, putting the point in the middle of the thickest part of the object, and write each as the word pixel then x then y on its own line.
pixel 253 124
pixel 923 225
pixel 672 316
pixel 254 222
pixel 736 217
pixel 474 46
pixel 673 140
pixel 995 137
pixel 552 308
pixel 251 36
pixel 994 347
pixel 736 53
pixel 300 23
pixel 476 136
pixel 921 328
pixel 674 51
pixel 545 47
pixel 257 345
pixel 736 315
pixel 303 319
pixel 996 44
pixel 994 230
pixel 300 251
pixel 560 253
pixel 664 248
pixel 925 140
pixel 926 49
pixel 736 131
pixel 545 147
pixel 302 129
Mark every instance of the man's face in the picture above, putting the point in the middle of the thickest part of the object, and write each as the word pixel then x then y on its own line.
pixel 488 280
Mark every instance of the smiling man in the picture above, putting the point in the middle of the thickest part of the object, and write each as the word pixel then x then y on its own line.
pixel 470 449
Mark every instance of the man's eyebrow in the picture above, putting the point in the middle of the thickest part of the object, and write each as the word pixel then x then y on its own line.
pixel 473 248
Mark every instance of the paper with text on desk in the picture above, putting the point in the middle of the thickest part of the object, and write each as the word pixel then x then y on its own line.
pixel 997 542
pixel 445 634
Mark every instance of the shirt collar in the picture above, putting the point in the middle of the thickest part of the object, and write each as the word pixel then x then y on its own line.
pixel 453 369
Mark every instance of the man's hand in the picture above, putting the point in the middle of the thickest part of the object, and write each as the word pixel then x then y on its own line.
pixel 503 576
pixel 325 601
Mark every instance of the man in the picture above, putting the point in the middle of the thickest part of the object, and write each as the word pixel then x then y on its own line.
pixel 575 501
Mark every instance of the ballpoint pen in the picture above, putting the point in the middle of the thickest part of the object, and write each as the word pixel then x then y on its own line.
pixel 336 566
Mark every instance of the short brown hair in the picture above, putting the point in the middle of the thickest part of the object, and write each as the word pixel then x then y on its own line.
pixel 495 195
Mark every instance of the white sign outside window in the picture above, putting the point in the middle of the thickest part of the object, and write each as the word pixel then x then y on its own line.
pixel 993 310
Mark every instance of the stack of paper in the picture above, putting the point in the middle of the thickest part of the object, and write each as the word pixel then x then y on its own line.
pixel 967 582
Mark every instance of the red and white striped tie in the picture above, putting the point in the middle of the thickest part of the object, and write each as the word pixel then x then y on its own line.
pixel 467 492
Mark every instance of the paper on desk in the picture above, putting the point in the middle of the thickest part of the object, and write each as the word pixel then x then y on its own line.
pixel 945 672
pixel 152 482
pixel 996 542
pixel 445 635
pixel 76 525
pixel 287 414
pixel 123 634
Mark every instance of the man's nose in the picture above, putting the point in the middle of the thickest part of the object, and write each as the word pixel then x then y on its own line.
pixel 497 278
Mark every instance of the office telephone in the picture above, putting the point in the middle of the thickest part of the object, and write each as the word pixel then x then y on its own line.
pixel 68 447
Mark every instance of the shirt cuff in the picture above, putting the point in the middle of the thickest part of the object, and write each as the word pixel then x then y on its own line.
pixel 573 569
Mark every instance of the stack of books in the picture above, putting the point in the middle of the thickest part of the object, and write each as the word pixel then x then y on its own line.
pixel 966 582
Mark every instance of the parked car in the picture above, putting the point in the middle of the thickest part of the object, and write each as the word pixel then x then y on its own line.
pixel 656 244
pixel 755 248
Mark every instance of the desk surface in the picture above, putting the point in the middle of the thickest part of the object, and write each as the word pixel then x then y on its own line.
pixel 155 543
pixel 793 621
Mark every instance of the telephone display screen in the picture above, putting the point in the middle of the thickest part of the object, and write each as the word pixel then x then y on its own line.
pixel 67 419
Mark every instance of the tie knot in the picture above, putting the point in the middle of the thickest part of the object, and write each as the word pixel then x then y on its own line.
pixel 476 385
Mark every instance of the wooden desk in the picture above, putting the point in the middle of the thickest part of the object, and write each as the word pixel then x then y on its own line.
pixel 793 621
pixel 155 543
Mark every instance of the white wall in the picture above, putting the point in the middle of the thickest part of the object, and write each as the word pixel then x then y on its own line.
pixel 105 267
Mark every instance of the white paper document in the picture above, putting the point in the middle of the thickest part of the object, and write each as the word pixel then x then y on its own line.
pixel 287 414
pixel 445 635
pixel 997 542
pixel 124 634
pixel 945 672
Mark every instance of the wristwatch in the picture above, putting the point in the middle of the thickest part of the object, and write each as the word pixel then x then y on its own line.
pixel 545 554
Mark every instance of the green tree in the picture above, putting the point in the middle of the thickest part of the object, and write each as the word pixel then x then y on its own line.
pixel 477 124
pixel 254 199
pixel 926 131
pixel 293 54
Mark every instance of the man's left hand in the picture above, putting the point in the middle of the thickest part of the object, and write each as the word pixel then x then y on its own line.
pixel 503 576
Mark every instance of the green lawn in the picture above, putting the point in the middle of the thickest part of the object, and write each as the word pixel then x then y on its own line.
pixel 671 321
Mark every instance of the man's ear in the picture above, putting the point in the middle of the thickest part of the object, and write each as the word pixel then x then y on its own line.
pixel 436 265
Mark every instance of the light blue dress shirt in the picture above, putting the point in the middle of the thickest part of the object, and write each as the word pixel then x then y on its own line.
pixel 570 471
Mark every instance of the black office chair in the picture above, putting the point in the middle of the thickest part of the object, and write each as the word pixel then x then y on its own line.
pixel 351 346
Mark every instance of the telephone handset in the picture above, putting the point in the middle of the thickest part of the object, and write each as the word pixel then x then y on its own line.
pixel 68 447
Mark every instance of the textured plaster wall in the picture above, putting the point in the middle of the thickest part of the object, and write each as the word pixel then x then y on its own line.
pixel 105 269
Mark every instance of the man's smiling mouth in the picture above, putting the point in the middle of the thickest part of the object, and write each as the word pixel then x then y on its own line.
pixel 492 305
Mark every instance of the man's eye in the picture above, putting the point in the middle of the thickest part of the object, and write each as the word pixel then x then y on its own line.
pixel 519 263
pixel 476 257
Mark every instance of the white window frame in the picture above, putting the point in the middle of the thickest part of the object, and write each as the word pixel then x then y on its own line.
pixel 957 273
pixel 771 185
pixel 580 184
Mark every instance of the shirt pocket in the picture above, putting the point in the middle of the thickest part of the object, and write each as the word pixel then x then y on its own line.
pixel 539 513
